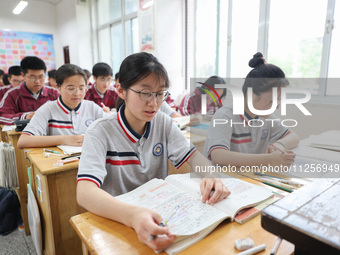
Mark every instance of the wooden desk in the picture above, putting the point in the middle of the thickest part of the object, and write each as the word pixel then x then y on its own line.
pixel 3 136
pixel 13 137
pixel 102 236
pixel 58 203
pixel 309 218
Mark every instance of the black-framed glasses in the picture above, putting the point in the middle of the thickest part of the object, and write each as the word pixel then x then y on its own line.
pixel 147 94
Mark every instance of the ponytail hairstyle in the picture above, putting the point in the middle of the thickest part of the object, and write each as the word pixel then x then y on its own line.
pixel 263 77
pixel 137 67
pixel 68 70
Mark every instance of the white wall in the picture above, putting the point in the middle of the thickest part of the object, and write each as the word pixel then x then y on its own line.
pixel 37 17
pixel 168 45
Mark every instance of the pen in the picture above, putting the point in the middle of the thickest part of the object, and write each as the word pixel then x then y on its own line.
pixel 276 182
pixel 164 223
pixel 278 187
pixel 276 246
pixel 47 150
pixel 30 109
pixel 253 250
pixel 279 179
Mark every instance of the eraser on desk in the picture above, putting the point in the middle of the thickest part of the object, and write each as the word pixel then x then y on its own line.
pixel 244 244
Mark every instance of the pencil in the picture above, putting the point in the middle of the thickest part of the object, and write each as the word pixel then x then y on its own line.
pixel 276 246
pixel 278 187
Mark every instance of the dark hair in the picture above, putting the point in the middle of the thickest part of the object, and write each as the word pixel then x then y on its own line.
pixel 211 81
pixel 68 70
pixel 137 67
pixel 101 69
pixel 32 63
pixel 5 79
pixel 88 73
pixel 14 70
pixel 2 72
pixel 117 76
pixel 263 77
pixel 51 74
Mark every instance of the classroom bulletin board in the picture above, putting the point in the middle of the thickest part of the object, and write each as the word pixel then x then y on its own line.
pixel 14 46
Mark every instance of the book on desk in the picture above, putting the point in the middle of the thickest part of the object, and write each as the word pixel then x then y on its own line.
pixel 193 219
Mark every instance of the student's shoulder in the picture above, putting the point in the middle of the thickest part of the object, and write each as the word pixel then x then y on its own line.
pixel 225 111
pixel 104 123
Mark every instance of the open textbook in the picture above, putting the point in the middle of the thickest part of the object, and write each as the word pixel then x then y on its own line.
pixel 193 219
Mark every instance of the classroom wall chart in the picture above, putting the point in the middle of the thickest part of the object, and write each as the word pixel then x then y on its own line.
pixel 14 46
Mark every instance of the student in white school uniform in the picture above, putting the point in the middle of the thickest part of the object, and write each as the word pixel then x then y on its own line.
pixel 65 120
pixel 268 143
pixel 132 147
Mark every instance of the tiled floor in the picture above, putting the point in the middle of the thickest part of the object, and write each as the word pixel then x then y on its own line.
pixel 16 243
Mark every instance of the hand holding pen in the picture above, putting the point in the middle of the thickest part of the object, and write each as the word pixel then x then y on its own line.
pixel 165 222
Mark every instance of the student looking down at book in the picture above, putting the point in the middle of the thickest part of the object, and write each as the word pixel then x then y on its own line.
pixel 101 92
pixel 192 103
pixel 65 120
pixel 261 143
pixel 15 78
pixel 21 102
pixel 132 147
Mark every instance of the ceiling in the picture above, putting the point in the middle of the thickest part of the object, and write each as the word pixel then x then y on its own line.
pixel 55 2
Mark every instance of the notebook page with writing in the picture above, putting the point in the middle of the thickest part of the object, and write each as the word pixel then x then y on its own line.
pixel 243 194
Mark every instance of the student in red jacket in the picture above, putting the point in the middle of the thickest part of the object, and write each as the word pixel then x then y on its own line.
pixel 101 93
pixel 15 78
pixel 21 102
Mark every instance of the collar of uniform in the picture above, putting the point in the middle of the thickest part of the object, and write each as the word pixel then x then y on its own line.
pixel 130 133
pixel 246 117
pixel 65 108
pixel 40 92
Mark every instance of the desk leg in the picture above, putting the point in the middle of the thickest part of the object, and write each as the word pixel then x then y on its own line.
pixel 84 249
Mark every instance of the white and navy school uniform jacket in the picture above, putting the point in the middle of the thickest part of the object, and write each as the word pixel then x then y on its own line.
pixel 241 137
pixel 55 118
pixel 124 160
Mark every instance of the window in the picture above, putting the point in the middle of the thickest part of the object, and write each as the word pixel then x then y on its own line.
pixel 117 26
pixel 302 37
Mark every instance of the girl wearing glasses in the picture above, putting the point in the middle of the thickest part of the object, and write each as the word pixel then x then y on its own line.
pixel 133 147
pixel 65 120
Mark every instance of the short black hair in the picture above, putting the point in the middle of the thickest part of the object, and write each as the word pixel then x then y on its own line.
pixel 32 63
pixel 5 79
pixel 101 69
pixel 14 70
pixel 51 74
pixel 88 73
pixel 2 72
pixel 117 76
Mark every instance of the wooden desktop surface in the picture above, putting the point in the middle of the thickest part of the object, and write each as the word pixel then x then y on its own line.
pixel 102 236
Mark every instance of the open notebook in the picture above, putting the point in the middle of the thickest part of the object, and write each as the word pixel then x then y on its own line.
pixel 193 219
pixel 68 150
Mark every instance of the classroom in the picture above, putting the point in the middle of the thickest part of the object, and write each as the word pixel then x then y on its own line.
pixel 171 127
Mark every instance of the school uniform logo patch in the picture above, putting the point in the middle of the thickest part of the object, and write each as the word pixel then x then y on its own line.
pixel 264 134
pixel 88 122
pixel 158 149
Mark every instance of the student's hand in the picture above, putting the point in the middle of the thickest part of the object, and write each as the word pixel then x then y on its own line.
pixel 105 108
pixel 74 140
pixel 195 119
pixel 29 116
pixel 145 223
pixel 277 158
pixel 213 190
